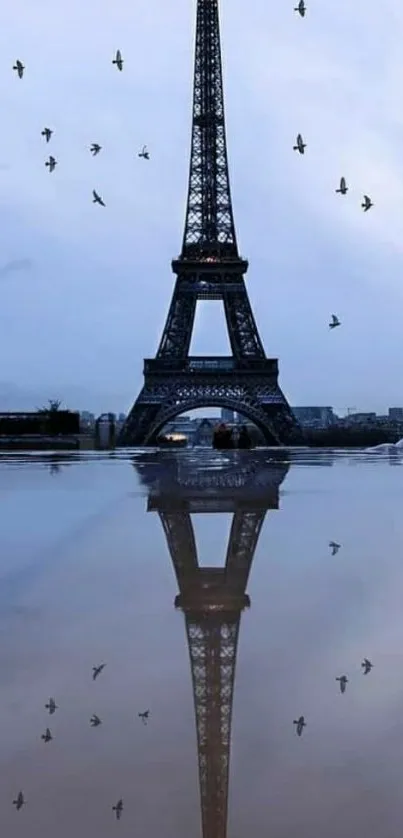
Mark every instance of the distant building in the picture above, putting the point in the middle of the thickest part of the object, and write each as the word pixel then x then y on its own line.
pixel 122 417
pixel 360 418
pixel 396 414
pixel 86 416
pixel 314 416
pixel 228 416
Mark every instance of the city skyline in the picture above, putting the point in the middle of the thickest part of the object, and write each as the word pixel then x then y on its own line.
pixel 311 252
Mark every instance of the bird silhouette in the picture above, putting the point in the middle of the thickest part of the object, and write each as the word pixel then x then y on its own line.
pixel 51 706
pixel 19 801
pixel 95 720
pixel 19 67
pixel 300 723
pixel 144 716
pixel 95 149
pixel 334 547
pixel 343 682
pixel 47 736
pixel 96 670
pixel 367 666
pixel 144 153
pixel 97 200
pixel 343 188
pixel 118 809
pixel 118 60
pixel 335 322
pixel 367 203
pixel 51 163
pixel 301 146
pixel 47 132
pixel 301 8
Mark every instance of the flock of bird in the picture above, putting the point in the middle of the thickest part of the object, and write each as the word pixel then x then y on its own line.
pixel 300 723
pixel 342 679
pixel 95 148
pixel 301 146
pixel 342 188
pixel 95 721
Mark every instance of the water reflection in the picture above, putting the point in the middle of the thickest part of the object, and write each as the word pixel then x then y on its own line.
pixel 212 599
pixel 86 576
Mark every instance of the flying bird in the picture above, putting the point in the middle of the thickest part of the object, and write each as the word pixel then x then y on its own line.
pixel 97 200
pixel 334 547
pixel 96 670
pixel 335 322
pixel 118 60
pixel 301 8
pixel 47 736
pixel 47 132
pixel 301 146
pixel 144 716
pixel 95 149
pixel 95 720
pixel 118 809
pixel 19 67
pixel 51 706
pixel 367 666
pixel 19 801
pixel 144 153
pixel 343 683
pixel 300 723
pixel 367 203
pixel 51 163
pixel 343 188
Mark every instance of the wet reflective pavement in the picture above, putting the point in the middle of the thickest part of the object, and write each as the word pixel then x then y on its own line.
pixel 171 568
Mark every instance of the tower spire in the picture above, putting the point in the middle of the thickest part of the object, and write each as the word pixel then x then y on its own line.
pixel 209 222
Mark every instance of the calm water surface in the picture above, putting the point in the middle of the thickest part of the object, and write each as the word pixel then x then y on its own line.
pixel 94 549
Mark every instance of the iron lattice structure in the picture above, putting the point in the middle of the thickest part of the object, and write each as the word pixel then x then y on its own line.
pixel 212 599
pixel 209 267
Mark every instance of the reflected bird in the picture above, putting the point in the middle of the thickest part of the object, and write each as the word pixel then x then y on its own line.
pixel 301 723
pixel 334 547
pixel 301 8
pixel 47 736
pixel 118 60
pixel 47 133
pixel 51 163
pixel 19 67
pixel 144 153
pixel 19 801
pixel 343 682
pixel 301 146
pixel 367 203
pixel 97 200
pixel 95 720
pixel 51 706
pixel 96 670
pixel 335 322
pixel 367 666
pixel 95 149
pixel 343 188
pixel 144 716
pixel 118 809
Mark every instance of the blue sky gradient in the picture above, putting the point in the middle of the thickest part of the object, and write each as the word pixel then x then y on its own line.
pixel 85 289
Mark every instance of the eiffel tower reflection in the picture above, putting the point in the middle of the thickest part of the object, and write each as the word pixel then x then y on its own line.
pixel 212 599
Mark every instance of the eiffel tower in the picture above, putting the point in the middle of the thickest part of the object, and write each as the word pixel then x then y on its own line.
pixel 209 268
pixel 212 599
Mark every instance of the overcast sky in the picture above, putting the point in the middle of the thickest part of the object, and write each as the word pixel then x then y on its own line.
pixel 85 289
